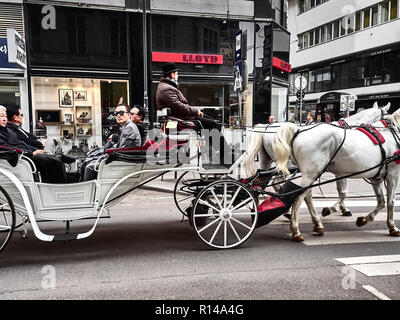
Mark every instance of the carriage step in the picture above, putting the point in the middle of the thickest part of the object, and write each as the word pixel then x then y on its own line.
pixel 66 237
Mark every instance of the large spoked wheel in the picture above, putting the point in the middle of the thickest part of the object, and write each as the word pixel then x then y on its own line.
pixel 224 214
pixel 7 218
pixel 187 187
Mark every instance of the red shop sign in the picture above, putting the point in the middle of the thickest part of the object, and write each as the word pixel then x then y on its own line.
pixel 188 58
pixel 281 65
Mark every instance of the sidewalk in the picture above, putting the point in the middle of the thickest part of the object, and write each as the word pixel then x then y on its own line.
pixel 356 188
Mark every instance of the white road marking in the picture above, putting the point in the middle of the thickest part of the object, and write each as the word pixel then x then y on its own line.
pixel 370 259
pixel 337 217
pixel 371 266
pixel 375 292
pixel 347 237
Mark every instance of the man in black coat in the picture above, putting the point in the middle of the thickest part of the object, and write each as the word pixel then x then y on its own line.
pixel 52 168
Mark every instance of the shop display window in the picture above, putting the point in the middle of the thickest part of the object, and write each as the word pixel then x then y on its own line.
pixel 74 111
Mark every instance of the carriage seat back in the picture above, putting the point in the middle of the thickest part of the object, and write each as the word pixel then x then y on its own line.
pixel 11 155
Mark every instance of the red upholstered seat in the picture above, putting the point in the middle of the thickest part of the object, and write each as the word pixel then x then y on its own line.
pixel 164 145
pixel 19 151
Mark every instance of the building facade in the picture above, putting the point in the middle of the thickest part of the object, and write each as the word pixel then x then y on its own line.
pixel 344 47
pixel 13 77
pixel 84 57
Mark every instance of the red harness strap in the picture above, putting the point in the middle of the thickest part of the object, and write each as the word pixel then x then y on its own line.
pixel 369 135
pixel 398 160
pixel 384 123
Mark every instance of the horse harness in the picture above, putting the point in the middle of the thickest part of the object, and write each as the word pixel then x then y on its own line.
pixel 373 134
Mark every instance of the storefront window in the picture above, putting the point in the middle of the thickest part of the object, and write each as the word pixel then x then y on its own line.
pixel 76 111
pixel 279 102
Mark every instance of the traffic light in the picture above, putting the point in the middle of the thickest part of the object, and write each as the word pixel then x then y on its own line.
pixel 302 94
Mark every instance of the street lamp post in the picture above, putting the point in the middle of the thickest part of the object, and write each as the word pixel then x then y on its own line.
pixel 146 121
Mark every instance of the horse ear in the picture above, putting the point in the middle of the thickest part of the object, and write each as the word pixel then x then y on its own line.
pixel 375 105
pixel 386 108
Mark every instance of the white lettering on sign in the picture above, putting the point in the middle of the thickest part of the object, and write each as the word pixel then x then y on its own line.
pixel 16 48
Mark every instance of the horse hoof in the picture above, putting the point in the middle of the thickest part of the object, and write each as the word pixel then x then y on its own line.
pixel 361 221
pixel 298 238
pixel 395 233
pixel 347 213
pixel 319 231
pixel 326 212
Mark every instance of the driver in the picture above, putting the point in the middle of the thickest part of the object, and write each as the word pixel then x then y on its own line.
pixel 169 96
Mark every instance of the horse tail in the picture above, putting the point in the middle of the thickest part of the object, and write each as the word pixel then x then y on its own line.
pixel 256 143
pixel 281 145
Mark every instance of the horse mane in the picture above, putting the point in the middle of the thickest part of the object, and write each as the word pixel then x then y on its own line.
pixel 396 118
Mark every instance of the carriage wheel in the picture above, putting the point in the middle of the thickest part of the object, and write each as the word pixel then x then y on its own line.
pixel 187 187
pixel 224 214
pixel 7 218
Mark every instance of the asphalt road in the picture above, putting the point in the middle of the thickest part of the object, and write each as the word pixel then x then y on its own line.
pixel 145 252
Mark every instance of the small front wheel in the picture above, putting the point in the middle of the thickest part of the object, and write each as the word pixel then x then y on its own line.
pixel 224 214
pixel 7 218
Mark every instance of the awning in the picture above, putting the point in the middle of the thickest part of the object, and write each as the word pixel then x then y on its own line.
pixel 331 97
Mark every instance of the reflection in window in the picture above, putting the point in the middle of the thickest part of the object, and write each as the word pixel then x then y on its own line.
pixel 316 36
pixel 358 21
pixel 163 36
pixel 367 17
pixel 329 31
pixel 336 29
pixel 210 42
pixel 393 9
pixel 76 34
pixel 375 15
pixel 385 11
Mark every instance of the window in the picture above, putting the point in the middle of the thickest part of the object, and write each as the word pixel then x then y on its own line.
pixel 367 18
pixel 210 42
pixel 374 15
pixel 118 37
pixel 305 5
pixel 317 36
pixel 358 21
pixel 323 34
pixel 76 34
pixel 301 6
pixel 393 9
pixel 300 41
pixel 343 27
pixel 329 31
pixel 311 35
pixel 336 26
pixel 384 11
pixel 163 36
pixel 350 23
pixel 305 43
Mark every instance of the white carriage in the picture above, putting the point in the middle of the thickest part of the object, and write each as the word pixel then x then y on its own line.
pixel 224 213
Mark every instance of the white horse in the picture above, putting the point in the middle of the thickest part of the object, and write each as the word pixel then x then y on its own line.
pixel 261 144
pixel 342 152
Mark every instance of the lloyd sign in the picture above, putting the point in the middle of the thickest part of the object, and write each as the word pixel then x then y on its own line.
pixel 16 49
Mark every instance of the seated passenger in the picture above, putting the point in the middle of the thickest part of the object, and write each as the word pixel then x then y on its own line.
pixel 129 137
pixel 51 168
pixel 137 116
